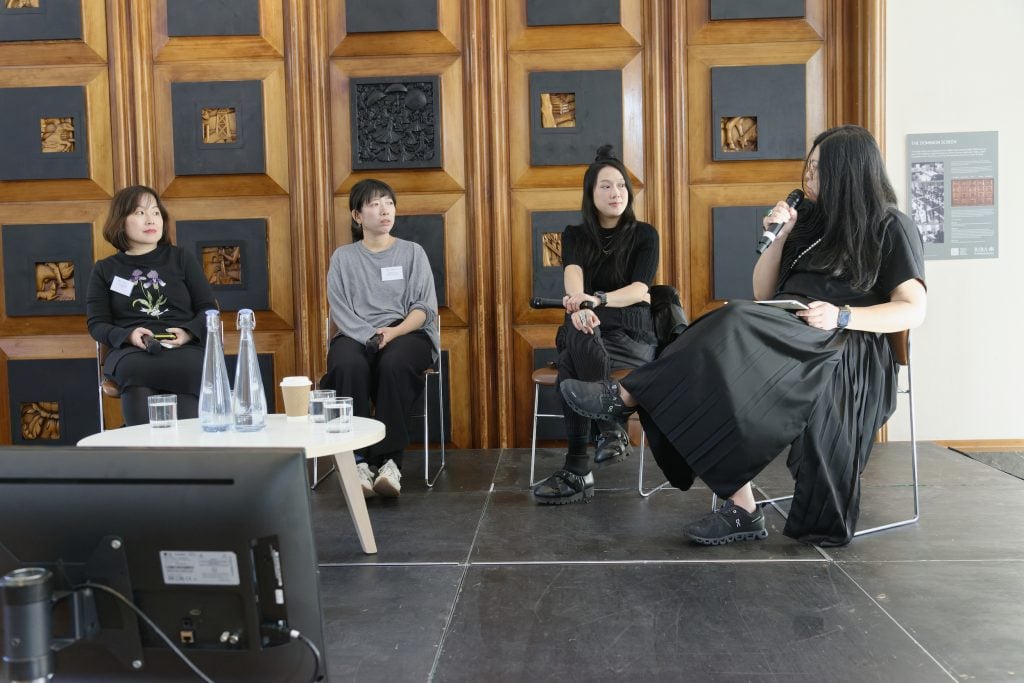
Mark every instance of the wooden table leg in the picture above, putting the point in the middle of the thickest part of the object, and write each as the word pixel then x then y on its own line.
pixel 346 464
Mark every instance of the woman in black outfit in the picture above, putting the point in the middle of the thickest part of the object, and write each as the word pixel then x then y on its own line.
pixel 150 287
pixel 748 380
pixel 609 262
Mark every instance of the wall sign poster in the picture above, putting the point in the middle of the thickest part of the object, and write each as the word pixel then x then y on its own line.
pixel 951 186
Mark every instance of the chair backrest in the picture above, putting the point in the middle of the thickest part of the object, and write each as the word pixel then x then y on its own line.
pixel 899 342
pixel 107 386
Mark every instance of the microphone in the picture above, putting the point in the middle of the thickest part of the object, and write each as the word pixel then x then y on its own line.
pixel 544 302
pixel 772 231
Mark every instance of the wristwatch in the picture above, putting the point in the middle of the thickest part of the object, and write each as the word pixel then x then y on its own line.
pixel 844 317
pixel 603 298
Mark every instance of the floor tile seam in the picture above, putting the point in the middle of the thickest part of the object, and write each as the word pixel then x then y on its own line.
pixel 952 560
pixel 896 622
pixel 445 630
pixel 336 565
pixel 548 563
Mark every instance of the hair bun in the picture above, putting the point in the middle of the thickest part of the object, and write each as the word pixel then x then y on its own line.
pixel 604 153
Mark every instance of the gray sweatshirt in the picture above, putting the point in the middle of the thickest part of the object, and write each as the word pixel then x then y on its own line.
pixel 369 290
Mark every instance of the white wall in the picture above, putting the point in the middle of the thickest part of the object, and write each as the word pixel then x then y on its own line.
pixel 954 66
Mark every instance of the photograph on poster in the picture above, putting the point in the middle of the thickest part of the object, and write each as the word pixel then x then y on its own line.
pixel 928 200
pixel 951 190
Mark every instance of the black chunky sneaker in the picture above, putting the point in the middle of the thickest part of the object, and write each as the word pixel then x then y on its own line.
pixel 596 400
pixel 564 487
pixel 612 445
pixel 727 524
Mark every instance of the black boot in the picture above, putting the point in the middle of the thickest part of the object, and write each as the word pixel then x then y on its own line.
pixel 565 487
pixel 612 444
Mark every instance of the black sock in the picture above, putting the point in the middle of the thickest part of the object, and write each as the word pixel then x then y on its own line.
pixel 577 460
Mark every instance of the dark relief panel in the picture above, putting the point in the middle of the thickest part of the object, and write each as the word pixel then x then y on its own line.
pixel 597 107
pixel 755 9
pixel 218 127
pixel 375 16
pixel 40 20
pixel 46 268
pixel 568 12
pixel 736 230
pixel 396 122
pixel 233 253
pixel 773 98
pixel 549 402
pixel 546 239
pixel 427 230
pixel 53 402
pixel 43 133
pixel 213 18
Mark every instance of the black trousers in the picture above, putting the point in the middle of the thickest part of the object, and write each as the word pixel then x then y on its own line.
pixel 590 358
pixel 384 385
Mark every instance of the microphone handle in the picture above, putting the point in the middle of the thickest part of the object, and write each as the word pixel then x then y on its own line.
pixel 544 302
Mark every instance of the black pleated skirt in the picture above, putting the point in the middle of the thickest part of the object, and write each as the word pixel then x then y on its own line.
pixel 746 381
pixel 174 371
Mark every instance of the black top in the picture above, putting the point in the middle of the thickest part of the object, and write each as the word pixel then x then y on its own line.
pixel 163 288
pixel 598 275
pixel 902 260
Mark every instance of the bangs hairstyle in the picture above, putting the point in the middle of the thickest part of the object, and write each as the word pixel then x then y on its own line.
pixel 624 242
pixel 855 198
pixel 121 206
pixel 364 192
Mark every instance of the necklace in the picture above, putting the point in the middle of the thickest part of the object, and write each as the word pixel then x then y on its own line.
pixel 798 257
pixel 606 242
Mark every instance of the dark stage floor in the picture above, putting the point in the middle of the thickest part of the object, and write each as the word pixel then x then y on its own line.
pixel 474 581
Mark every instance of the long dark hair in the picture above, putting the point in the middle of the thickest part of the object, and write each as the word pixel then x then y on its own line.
pixel 854 199
pixel 121 206
pixel 364 192
pixel 592 249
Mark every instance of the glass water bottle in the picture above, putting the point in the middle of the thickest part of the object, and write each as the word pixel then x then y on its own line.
pixel 250 403
pixel 214 392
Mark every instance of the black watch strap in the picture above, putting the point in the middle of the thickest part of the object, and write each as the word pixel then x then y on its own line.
pixel 602 297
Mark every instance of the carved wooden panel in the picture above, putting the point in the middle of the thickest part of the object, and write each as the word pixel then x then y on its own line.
pixel 451 174
pixel 174 137
pixel 523 108
pixel 96 179
pixel 277 252
pixel 268 43
pixel 90 48
pixel 446 39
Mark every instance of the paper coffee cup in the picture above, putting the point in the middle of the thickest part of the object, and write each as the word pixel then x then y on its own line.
pixel 296 395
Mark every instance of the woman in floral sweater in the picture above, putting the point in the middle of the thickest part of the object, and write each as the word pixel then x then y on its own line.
pixel 149 288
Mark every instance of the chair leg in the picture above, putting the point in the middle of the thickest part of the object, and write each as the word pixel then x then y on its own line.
pixel 426 429
pixel 640 480
pixel 533 441
pixel 913 466
pixel 317 481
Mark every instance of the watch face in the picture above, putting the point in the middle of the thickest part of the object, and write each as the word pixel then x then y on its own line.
pixel 844 317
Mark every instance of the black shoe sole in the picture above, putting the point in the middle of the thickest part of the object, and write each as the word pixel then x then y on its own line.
pixel 722 540
pixel 583 496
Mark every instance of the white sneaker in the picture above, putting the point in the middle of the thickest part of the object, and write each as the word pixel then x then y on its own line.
pixel 389 480
pixel 365 479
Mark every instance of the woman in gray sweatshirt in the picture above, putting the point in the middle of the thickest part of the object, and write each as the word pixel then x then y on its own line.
pixel 381 292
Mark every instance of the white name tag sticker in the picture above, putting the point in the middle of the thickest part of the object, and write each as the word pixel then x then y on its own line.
pixel 121 286
pixel 199 568
pixel 391 273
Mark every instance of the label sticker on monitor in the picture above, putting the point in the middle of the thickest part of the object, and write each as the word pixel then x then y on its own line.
pixel 199 568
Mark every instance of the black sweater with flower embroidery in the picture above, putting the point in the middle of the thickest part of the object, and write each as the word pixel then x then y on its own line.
pixel 161 289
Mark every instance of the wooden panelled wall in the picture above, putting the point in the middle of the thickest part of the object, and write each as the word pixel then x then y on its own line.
pixel 486 188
